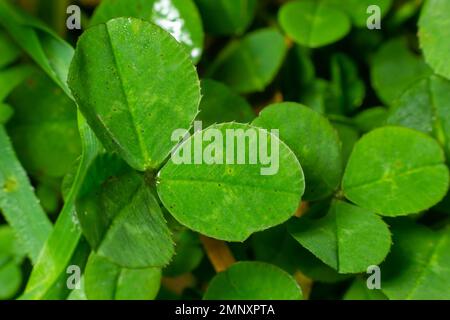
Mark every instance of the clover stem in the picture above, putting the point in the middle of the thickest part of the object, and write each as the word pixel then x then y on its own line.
pixel 218 253
pixel 302 209
pixel 289 42
pixel 305 283
pixel 178 284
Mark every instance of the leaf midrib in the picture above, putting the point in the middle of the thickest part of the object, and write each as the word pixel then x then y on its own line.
pixel 230 184
pixel 136 127
pixel 431 258
pixel 385 179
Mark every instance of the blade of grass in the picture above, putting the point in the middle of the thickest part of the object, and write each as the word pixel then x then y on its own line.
pixel 62 242
pixel 53 55
pixel 49 51
pixel 18 202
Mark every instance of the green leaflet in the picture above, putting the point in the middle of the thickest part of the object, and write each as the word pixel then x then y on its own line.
pixel 10 279
pixel 253 281
pixel 10 52
pixel 18 202
pixel 48 193
pixel 11 256
pixel 360 80
pixel 348 239
pixel 278 247
pixel 313 23
pixel 51 53
pixel 131 79
pixel 314 142
pixel 178 17
pixel 346 84
pixel 62 243
pixel 403 12
pixel 6 113
pixel 249 65
pixel 106 281
pixel 349 135
pixel 425 106
pixel 320 96
pixel 434 32
pixel 389 168
pixel 395 58
pixel 224 17
pixel 220 104
pixel 121 218
pixel 371 118
pixel 357 9
pixel 44 127
pixel 11 78
pixel 10 247
pixel 419 265
pixel 241 199
pixel 188 253
pixel 358 291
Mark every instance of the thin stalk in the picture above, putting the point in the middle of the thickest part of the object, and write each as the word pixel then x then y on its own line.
pixel 218 253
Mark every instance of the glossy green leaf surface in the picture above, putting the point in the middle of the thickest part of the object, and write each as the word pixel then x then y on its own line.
pixel 314 142
pixel 359 291
pixel 389 167
pixel 10 257
pixel 121 218
pixel 313 23
pixel 220 104
pixel 223 17
pixel 425 106
pixel 348 239
pixel 44 127
pixel 236 197
pixel 50 52
pixel 357 9
pixel 248 65
pixel 253 281
pixel 11 78
pixel 372 118
pixel 278 247
pixel 129 92
pixel 418 267
pixel 9 50
pixel 178 17
pixel 434 32
pixel 348 135
pixel 106 281
pixel 315 148
pixel 6 113
pixel 10 280
pixel 395 58
pixel 188 253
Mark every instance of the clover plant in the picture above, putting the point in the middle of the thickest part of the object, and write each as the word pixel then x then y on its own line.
pixel 104 195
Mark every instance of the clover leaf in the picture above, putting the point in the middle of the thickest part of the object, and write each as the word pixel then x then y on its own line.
pixel 348 239
pixel 389 166
pixel 313 23
pixel 253 281
pixel 130 92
